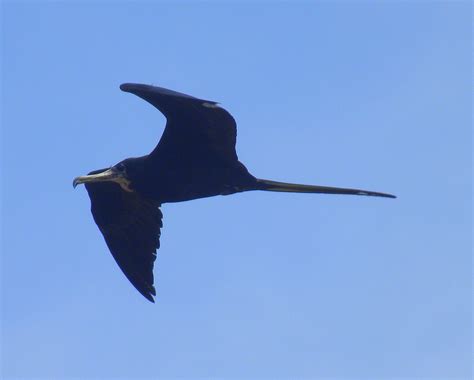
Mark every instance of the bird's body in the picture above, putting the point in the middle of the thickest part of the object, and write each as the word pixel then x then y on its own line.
pixel 195 158
pixel 184 182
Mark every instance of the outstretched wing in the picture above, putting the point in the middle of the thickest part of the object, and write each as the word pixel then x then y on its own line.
pixel 131 227
pixel 196 129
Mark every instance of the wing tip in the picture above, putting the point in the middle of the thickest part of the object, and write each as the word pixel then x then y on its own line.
pixel 129 87
pixel 147 91
pixel 148 293
pixel 150 298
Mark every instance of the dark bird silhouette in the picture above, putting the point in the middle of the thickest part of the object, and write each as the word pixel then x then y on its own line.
pixel 195 158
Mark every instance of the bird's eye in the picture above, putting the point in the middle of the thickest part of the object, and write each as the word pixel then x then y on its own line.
pixel 120 167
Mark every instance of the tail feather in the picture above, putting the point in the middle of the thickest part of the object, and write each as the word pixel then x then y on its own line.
pixel 296 188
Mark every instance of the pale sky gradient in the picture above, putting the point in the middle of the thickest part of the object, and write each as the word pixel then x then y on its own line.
pixel 255 285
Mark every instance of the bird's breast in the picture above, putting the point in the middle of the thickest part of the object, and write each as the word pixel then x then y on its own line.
pixel 187 183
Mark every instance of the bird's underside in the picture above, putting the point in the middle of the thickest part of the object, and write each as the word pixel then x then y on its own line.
pixel 194 158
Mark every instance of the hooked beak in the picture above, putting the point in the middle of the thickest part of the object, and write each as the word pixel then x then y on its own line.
pixel 108 175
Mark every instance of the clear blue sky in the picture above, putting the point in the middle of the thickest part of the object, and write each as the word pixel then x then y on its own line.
pixel 254 285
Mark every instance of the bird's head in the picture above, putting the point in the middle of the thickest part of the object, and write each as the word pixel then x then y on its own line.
pixel 118 173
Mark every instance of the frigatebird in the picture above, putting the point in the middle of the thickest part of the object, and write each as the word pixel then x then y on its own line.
pixel 195 158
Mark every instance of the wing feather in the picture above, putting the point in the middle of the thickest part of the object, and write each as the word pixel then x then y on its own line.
pixel 131 226
pixel 195 128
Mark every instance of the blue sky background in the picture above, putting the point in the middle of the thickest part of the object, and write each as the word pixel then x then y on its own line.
pixel 254 285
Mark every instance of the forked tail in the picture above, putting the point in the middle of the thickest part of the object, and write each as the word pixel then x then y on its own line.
pixel 296 188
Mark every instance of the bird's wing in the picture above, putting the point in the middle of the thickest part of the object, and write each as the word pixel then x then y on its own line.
pixel 131 228
pixel 195 129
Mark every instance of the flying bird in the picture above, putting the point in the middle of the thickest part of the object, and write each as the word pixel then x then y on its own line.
pixel 195 158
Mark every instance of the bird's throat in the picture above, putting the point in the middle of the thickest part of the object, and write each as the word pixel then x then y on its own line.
pixel 124 183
